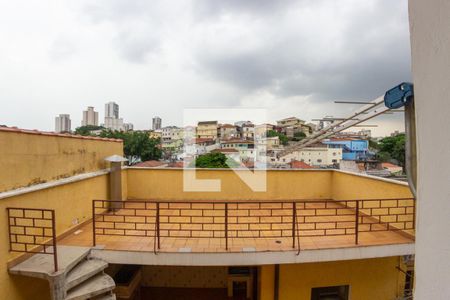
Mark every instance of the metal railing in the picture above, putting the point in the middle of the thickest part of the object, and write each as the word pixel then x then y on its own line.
pixel 250 219
pixel 32 230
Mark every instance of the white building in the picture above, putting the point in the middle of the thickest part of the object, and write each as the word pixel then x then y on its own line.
pixel 156 123
pixel 90 117
pixel 248 131
pixel 112 120
pixel 114 123
pixel 112 110
pixel 128 126
pixel 63 123
pixel 315 156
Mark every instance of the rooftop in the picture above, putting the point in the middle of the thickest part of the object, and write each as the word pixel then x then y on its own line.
pixel 199 226
pixel 151 164
pixel 295 164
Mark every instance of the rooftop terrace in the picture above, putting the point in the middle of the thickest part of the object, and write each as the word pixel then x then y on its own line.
pixel 246 226
pixel 301 210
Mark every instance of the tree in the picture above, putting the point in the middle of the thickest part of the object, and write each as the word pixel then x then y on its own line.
pixel 392 148
pixel 214 160
pixel 298 136
pixel 137 145
pixel 373 144
pixel 282 137
pixel 87 130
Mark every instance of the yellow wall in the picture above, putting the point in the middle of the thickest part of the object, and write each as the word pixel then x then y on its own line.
pixel 31 158
pixel 281 185
pixel 369 279
pixel 353 186
pixel 266 283
pixel 71 201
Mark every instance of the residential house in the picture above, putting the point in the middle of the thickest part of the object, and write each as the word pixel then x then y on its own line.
pixel 352 149
pixel 248 131
pixel 207 130
pixel 320 156
pixel 155 134
pixel 291 126
pixel 228 131
pixel 262 129
pixel 172 138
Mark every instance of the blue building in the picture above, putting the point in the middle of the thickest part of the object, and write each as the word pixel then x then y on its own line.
pixel 351 149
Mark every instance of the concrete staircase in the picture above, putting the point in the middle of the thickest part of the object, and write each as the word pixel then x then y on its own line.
pixel 79 276
pixel 88 281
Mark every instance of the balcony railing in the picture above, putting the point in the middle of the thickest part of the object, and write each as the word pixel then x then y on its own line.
pixel 227 220
pixel 32 230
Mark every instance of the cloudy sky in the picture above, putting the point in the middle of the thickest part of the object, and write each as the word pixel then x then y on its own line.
pixel 159 57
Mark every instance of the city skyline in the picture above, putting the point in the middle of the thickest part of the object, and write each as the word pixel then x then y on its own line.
pixel 211 54
pixel 112 109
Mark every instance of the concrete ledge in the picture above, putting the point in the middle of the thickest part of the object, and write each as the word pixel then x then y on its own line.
pixel 373 177
pixel 251 258
pixel 51 184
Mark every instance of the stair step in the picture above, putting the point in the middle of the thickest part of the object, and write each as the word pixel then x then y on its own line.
pixel 97 285
pixel 105 297
pixel 83 271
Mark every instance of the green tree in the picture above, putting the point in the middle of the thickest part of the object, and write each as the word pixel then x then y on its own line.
pixel 298 136
pixel 214 160
pixel 87 130
pixel 373 144
pixel 137 145
pixel 282 137
pixel 392 148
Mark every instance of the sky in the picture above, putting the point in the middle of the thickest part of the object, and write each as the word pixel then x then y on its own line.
pixel 159 57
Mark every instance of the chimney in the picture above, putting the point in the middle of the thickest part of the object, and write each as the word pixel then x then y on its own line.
pixel 115 180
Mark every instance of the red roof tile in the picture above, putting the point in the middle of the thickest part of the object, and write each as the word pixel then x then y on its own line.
pixel 295 164
pixel 177 164
pixel 150 164
pixel 389 165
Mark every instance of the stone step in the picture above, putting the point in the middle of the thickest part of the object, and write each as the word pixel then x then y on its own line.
pixel 41 265
pixel 105 297
pixel 83 271
pixel 95 286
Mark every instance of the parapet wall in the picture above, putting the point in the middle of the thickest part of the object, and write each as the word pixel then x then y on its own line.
pixel 30 157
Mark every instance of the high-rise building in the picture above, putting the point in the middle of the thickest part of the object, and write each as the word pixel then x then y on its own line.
pixel 63 123
pixel 112 120
pixel 128 126
pixel 90 117
pixel 114 123
pixel 112 110
pixel 156 123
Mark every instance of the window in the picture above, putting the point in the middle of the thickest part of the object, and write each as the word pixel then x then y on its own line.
pixel 319 160
pixel 334 160
pixel 330 293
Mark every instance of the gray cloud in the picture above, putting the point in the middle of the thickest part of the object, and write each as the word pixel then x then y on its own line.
pixel 213 8
pixel 158 57
pixel 340 54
